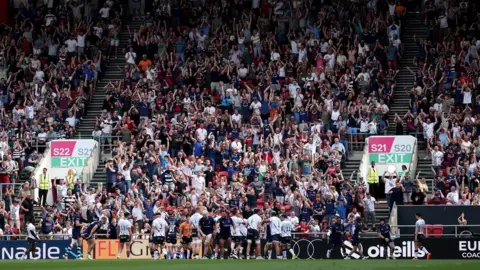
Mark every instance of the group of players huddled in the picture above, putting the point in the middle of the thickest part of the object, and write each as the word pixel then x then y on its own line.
pixel 209 235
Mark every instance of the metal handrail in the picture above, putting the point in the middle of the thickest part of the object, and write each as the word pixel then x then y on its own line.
pixel 458 232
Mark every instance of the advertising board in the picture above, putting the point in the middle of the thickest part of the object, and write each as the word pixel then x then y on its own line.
pixel 440 248
pixel 15 249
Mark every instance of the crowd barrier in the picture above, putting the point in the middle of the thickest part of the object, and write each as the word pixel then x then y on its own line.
pixel 304 249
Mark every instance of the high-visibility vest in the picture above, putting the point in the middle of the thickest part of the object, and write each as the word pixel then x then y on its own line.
pixel 373 176
pixel 70 183
pixel 44 181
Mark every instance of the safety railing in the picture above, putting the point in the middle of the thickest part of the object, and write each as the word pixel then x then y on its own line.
pixel 106 145
pixel 356 141
pixel 439 231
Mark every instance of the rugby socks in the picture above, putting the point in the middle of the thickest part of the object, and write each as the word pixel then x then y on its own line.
pixel 328 253
pixel 269 254
pixel 415 254
pixel 188 254
pixel 291 252
pixel 284 253
pixel 424 250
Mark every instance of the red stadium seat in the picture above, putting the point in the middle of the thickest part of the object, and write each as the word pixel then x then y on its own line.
pixel 438 230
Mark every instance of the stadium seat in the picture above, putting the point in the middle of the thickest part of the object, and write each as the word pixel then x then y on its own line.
pixel 437 230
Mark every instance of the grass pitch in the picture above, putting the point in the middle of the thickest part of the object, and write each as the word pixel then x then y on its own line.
pixel 241 264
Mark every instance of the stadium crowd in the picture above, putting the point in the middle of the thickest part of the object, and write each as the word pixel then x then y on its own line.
pixel 231 105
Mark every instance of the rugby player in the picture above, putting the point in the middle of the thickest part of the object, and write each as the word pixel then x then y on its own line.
pixel 419 229
pixel 225 224
pixel 286 227
pixel 160 227
pixel 384 234
pixel 239 234
pixel 32 239
pixel 206 227
pixel 267 235
pixel 124 231
pixel 253 234
pixel 196 238
pixel 275 232
pixel 337 231
pixel 90 232
pixel 172 234
pixel 356 242
pixel 76 235
pixel 186 231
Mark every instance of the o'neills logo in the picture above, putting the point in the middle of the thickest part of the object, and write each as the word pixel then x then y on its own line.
pixel 405 250
pixel 469 249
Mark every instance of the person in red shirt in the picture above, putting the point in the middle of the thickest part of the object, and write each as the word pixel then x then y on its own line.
pixel 303 229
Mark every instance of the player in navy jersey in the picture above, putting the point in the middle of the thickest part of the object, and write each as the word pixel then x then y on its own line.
pixel 77 226
pixel 225 224
pixel 383 230
pixel 337 230
pixel 172 235
pixel 356 242
pixel 90 232
pixel 267 250
pixel 206 227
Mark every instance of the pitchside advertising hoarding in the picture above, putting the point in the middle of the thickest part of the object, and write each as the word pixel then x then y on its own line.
pixel 394 150
pixel 14 249
pixel 305 249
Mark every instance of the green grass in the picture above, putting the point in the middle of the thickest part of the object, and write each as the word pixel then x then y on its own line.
pixel 241 265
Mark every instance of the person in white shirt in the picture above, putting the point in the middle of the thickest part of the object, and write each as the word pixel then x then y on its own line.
pixel 275 231
pixel 196 240
pixel 286 228
pixel 369 212
pixel 389 184
pixel 428 127
pixel 71 45
pixel 124 231
pixel 32 239
pixel 104 12
pixel 239 233
pixel 452 196
pixel 419 235
pixel 253 233
pixel 159 228
pixel 198 182
pixel 130 57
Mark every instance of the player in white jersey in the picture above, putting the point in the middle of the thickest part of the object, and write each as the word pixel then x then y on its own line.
pixel 275 231
pixel 32 239
pixel 239 233
pixel 253 233
pixel 196 240
pixel 124 231
pixel 286 227
pixel 420 227
pixel 159 228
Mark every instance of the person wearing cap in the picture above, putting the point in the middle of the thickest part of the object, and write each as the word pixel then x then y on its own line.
pixel 206 229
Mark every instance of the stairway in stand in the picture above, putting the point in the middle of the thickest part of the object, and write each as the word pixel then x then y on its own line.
pixel 400 105
pixel 94 110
